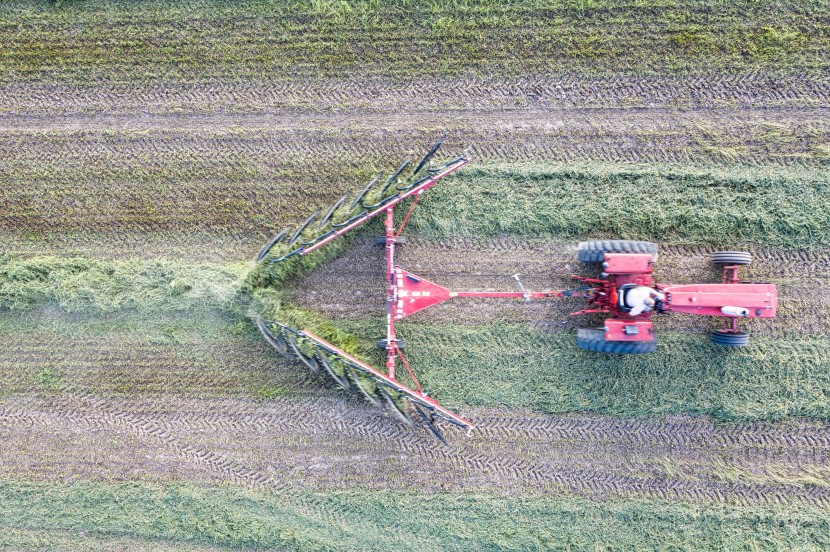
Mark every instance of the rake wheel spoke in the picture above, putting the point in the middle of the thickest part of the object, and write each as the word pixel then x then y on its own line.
pixel 373 400
pixel 396 174
pixel 393 407
pixel 327 217
pixel 430 424
pixel 274 241
pixel 311 362
pixel 428 156
pixel 342 381
pixel 359 197
pixel 300 229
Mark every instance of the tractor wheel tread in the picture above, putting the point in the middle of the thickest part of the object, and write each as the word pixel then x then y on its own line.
pixel 594 251
pixel 594 340
pixel 731 257
pixel 729 339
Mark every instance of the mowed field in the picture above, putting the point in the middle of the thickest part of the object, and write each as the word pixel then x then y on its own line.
pixel 149 149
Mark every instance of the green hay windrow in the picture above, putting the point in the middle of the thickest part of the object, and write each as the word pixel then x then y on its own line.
pixel 85 285
pixel 188 515
pixel 516 366
pixel 663 203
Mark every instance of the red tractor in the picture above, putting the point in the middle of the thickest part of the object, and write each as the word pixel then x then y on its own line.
pixel 626 271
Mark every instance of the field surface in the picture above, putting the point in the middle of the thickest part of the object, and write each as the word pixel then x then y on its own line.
pixel 149 149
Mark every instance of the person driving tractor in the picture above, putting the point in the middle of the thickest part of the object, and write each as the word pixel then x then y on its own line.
pixel 640 299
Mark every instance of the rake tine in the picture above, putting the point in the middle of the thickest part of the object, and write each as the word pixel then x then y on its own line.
pixel 342 381
pixel 339 203
pixel 310 362
pixel 429 155
pixel 430 424
pixel 381 202
pixel 396 174
pixel 302 227
pixel 393 406
pixel 264 251
pixel 365 191
pixel 277 342
pixel 373 400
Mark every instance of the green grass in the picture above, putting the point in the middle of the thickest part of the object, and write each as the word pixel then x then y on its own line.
pixel 78 41
pixel 688 204
pixel 77 284
pixel 514 366
pixel 187 515
pixel 669 204
pixel 502 365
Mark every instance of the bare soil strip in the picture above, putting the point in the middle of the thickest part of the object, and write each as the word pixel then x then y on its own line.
pixel 567 92
pixel 352 286
pixel 332 444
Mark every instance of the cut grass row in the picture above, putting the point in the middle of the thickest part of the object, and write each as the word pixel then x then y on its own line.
pixel 666 204
pixel 520 367
pixel 734 206
pixel 511 366
pixel 76 284
pixel 261 40
pixel 187 515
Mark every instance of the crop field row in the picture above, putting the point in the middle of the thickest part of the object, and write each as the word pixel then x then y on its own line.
pixel 352 285
pixel 250 41
pixel 171 515
pixel 769 206
pixel 95 104
pixel 261 446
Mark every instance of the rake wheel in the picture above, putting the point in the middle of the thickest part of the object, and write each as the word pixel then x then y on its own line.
pixel 381 240
pixel 309 361
pixel 729 339
pixel 382 343
pixel 342 381
pixel 373 400
pixel 393 407
pixel 731 258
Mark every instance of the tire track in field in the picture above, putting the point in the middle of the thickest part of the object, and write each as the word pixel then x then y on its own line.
pixel 98 413
pixel 243 143
pixel 747 90
pixel 325 444
pixel 352 287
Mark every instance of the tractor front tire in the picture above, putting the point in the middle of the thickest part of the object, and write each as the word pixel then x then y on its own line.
pixel 594 251
pixel 729 339
pixel 594 340
pixel 731 258
pixel 381 343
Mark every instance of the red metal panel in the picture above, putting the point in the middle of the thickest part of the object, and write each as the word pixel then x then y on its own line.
pixel 708 299
pixel 628 330
pixel 627 263
pixel 415 293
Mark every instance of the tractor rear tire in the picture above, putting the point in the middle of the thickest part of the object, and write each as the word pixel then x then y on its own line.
pixel 729 339
pixel 594 251
pixel 381 343
pixel 594 340
pixel 731 258
pixel 381 240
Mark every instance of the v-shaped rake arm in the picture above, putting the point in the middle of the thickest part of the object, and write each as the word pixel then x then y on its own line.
pixel 364 217
pixel 420 399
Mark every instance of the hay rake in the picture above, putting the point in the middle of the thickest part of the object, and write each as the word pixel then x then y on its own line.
pixel 625 265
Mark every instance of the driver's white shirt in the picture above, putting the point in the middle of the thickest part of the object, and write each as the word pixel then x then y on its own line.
pixel 636 297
